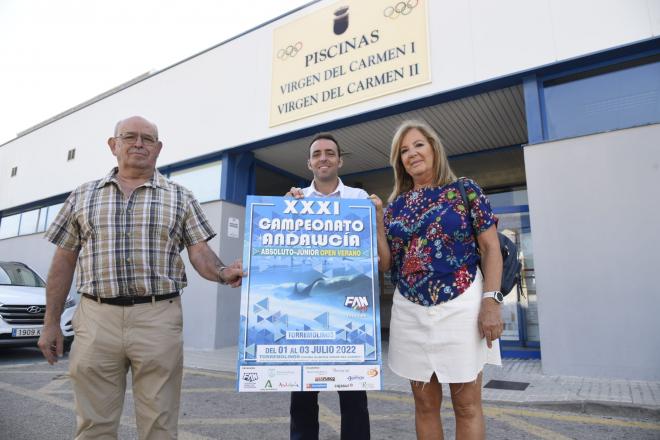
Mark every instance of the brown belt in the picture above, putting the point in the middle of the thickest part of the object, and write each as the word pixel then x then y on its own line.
pixel 131 300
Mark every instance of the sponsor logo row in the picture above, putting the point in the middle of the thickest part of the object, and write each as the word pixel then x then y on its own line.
pixel 288 378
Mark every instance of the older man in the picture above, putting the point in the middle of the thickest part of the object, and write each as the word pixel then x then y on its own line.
pixel 125 232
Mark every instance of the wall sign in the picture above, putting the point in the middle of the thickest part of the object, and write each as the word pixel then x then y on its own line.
pixel 346 53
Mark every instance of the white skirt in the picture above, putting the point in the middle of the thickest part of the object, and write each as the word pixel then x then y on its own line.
pixel 442 339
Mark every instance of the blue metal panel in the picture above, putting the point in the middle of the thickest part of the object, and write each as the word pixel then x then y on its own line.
pixel 606 101
pixel 522 323
pixel 603 59
pixel 511 209
pixel 238 177
pixel 531 91
pixel 520 353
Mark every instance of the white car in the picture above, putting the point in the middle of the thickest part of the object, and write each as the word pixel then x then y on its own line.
pixel 23 305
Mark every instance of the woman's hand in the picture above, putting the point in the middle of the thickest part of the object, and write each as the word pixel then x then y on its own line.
pixel 378 203
pixel 490 315
pixel 490 320
pixel 384 254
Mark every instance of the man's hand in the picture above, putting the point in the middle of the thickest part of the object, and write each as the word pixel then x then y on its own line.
pixel 295 192
pixel 233 275
pixel 51 343
pixel 208 265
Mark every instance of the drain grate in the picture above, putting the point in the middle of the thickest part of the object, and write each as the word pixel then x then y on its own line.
pixel 506 385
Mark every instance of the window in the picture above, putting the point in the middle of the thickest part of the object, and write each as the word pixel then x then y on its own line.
pixel 14 171
pixel 9 226
pixel 29 222
pixel 71 154
pixel 203 181
pixel 612 98
pixel 41 226
pixel 53 210
pixel 17 274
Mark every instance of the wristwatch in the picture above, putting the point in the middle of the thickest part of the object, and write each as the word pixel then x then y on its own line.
pixel 495 294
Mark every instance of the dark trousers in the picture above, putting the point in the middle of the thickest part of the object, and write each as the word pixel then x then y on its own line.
pixel 305 415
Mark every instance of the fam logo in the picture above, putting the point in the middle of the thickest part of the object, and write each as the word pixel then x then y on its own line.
pixel 268 386
pixel 372 372
pixel 359 303
pixel 250 377
pixel 341 20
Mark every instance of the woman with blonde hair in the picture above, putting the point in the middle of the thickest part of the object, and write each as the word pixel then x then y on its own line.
pixel 446 315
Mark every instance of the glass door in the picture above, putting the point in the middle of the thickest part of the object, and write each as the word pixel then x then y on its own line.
pixel 519 311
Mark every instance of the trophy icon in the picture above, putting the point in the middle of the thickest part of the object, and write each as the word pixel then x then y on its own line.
pixel 341 20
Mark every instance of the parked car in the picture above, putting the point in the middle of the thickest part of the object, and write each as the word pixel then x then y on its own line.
pixel 23 306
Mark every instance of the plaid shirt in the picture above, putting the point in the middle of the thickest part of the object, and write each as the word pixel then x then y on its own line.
pixel 130 247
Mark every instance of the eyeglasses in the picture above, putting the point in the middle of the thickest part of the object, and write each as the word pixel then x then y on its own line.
pixel 132 138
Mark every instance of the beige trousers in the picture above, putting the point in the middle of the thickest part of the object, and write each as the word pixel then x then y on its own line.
pixel 110 339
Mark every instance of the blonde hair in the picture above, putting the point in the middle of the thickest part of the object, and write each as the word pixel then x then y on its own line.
pixel 402 180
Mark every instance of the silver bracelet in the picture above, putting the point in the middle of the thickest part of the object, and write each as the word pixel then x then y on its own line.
pixel 220 280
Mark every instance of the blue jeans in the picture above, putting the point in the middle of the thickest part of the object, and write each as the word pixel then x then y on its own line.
pixel 305 415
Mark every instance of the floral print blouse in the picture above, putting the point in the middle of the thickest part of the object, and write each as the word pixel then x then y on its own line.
pixel 434 252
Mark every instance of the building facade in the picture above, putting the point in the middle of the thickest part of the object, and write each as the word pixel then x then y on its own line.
pixel 553 107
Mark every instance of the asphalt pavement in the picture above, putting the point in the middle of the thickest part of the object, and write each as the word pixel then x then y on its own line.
pixel 36 402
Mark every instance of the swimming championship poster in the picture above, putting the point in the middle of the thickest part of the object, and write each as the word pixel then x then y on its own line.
pixel 310 315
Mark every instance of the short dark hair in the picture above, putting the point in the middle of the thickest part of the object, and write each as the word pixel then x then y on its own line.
pixel 328 136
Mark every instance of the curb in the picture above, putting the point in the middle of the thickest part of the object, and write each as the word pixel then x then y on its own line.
pixel 590 407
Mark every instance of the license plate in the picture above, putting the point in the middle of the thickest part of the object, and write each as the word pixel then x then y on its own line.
pixel 26 332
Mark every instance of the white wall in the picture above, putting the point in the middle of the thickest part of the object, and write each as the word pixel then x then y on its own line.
pixel 211 311
pixel 593 203
pixel 200 297
pixel 220 99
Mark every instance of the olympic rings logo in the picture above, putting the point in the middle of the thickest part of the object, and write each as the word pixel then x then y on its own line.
pixel 290 51
pixel 401 8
